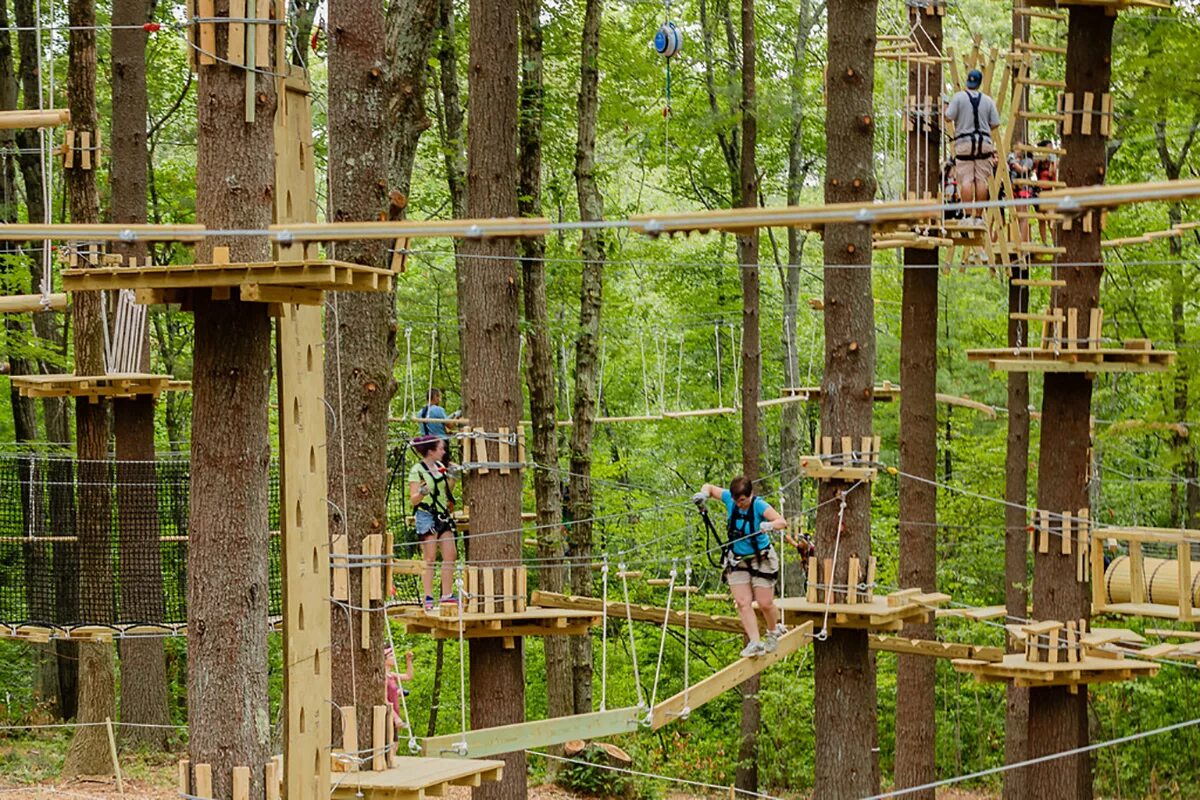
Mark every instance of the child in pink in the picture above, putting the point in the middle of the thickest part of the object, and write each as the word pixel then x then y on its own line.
pixel 394 680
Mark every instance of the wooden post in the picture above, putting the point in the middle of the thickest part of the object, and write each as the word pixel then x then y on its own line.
pixel 241 783
pixel 380 715
pixel 204 780
pixel 112 752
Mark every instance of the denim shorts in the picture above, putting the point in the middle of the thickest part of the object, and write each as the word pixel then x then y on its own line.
pixel 424 521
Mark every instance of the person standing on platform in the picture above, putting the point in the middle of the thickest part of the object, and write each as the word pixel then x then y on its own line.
pixel 974 116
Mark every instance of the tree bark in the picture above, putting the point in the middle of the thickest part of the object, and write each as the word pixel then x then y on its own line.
pixel 375 121
pixel 539 372
pixel 593 249
pixel 916 677
pixel 88 753
pixel 1016 487
pixel 493 395
pixel 227 586
pixel 746 775
pixel 143 664
pixel 1058 720
pixel 846 761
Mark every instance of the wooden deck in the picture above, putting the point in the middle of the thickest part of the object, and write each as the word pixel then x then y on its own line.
pixel 1042 359
pixel 881 613
pixel 299 281
pixel 414 778
pixel 129 384
pixel 1090 669
pixel 533 621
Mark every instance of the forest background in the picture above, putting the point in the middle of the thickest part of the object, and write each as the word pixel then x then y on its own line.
pixel 671 333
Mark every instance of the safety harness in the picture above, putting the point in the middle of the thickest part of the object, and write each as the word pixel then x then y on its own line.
pixel 751 562
pixel 433 504
pixel 976 136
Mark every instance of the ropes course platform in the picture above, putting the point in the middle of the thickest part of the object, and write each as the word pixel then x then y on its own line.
pixel 642 613
pixel 533 621
pixel 414 778
pixel 1058 654
pixel 1137 355
pixel 878 613
pixel 131 384
pixel 1136 584
pixel 42 634
pixel 935 649
pixel 300 281
pixel 1113 5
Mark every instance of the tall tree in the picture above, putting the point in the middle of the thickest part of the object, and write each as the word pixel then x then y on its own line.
pixel 1058 719
pixel 916 751
pixel 143 661
pixel 366 139
pixel 493 393
pixel 88 754
pixel 746 776
pixel 844 668
pixel 1016 478
pixel 593 249
pixel 231 380
pixel 539 373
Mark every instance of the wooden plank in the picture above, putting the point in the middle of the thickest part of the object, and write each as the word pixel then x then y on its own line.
pixel 267 293
pixel 183 781
pixel 852 581
pixel 645 613
pixel 1183 559
pixel 237 33
pixel 241 783
pixel 379 718
pixel 811 587
pixel 1068 108
pixel 509 589
pixel 1106 115
pixel 204 780
pixel 34 118
pixel 262 34
pixel 1137 574
pixel 539 733
pixel 350 735
pixel 504 456
pixel 411 778
pixel 725 679
pixel 85 150
pixel 208 32
pixel 1085 125
pixel 271 779
pixel 489 590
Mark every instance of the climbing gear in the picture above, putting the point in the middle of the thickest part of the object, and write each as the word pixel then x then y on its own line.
pixel 433 502
pixel 668 41
pixel 977 136
pixel 729 560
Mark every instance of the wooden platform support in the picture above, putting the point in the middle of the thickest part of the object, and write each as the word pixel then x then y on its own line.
pixel 844 463
pixel 880 613
pixel 533 621
pixel 95 387
pixel 1135 356
pixel 32 303
pixel 415 778
pixel 47 118
pixel 539 733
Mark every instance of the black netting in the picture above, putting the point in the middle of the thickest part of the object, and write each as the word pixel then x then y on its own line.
pixel 136 572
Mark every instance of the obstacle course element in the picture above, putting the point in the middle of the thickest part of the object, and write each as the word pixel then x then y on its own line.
pixel 1072 534
pixel 533 621
pixel 32 303
pixel 1137 355
pixel 846 464
pixel 1136 585
pixel 934 649
pixel 538 733
pixel 1058 654
pixel 413 778
pixel 95 387
pixel 860 608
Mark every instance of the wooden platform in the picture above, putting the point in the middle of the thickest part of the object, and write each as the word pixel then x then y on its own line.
pixel 533 621
pixel 415 779
pixel 642 613
pixel 1090 669
pixel 41 634
pixel 129 384
pixel 881 613
pixel 1114 5
pixel 1040 359
pixel 935 649
pixel 300 281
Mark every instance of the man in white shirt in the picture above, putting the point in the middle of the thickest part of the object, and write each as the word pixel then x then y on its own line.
pixel 974 116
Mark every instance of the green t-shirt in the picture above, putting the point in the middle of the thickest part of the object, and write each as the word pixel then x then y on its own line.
pixel 419 474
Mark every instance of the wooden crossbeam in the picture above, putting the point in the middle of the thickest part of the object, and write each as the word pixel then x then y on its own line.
pixel 731 676
pixel 539 733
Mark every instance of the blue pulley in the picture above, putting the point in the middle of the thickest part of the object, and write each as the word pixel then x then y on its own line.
pixel 668 41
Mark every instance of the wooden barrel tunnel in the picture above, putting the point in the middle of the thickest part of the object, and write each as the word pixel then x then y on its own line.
pixel 1161 581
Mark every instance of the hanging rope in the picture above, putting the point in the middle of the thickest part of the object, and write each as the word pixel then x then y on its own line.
pixel 460 747
pixel 687 630
pixel 432 360
pixel 408 389
pixel 637 678
pixel 717 339
pixel 662 642
pixel 645 375
pixel 604 635
pixel 823 634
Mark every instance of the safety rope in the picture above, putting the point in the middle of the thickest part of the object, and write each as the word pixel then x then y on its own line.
pixel 604 635
pixel 662 641
pixel 823 634
pixel 637 678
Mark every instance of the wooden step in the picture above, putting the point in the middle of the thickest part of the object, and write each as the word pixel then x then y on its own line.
pixel 1033 47
pixel 1049 282
pixel 1038 150
pixel 1044 83
pixel 1039 14
pixel 1041 117
pixel 1041 249
pixel 1027 317
pixel 1043 216
pixel 1039 184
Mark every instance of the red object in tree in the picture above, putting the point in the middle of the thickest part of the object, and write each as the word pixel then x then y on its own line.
pixel 152 27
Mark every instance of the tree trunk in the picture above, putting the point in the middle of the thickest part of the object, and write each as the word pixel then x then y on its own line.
pixel 792 414
pixel 1016 486
pixel 361 330
pixel 88 753
pixel 493 394
pixel 916 677
pixel 1058 720
pixel 746 776
pixel 593 249
pixel 844 668
pixel 227 586
pixel 143 664
pixel 539 371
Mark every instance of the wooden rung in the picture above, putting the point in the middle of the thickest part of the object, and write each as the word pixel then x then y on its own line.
pixel 1041 117
pixel 1040 14
pixel 1022 316
pixel 1033 47
pixel 1040 82
pixel 1048 282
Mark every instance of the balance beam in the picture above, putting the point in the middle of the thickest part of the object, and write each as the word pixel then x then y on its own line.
pixel 698 621
pixel 540 733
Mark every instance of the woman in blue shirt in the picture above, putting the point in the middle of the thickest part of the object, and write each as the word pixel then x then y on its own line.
pixel 751 565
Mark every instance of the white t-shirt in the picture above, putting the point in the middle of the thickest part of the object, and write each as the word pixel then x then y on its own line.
pixel 963 116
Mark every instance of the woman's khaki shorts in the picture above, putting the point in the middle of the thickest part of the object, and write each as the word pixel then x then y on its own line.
pixel 767 563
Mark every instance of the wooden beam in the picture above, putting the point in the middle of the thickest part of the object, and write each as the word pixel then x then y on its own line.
pixel 642 613
pixel 539 733
pixel 725 679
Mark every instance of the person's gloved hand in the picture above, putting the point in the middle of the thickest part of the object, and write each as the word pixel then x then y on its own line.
pixel 700 498
pixel 424 490
pixel 456 414
pixel 766 527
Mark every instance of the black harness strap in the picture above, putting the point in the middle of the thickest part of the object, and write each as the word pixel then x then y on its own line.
pixel 434 505
pixel 977 136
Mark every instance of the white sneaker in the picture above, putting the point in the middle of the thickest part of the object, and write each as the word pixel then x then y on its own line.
pixel 771 642
pixel 779 630
pixel 753 649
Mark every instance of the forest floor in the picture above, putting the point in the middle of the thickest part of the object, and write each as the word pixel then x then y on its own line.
pixel 29 769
